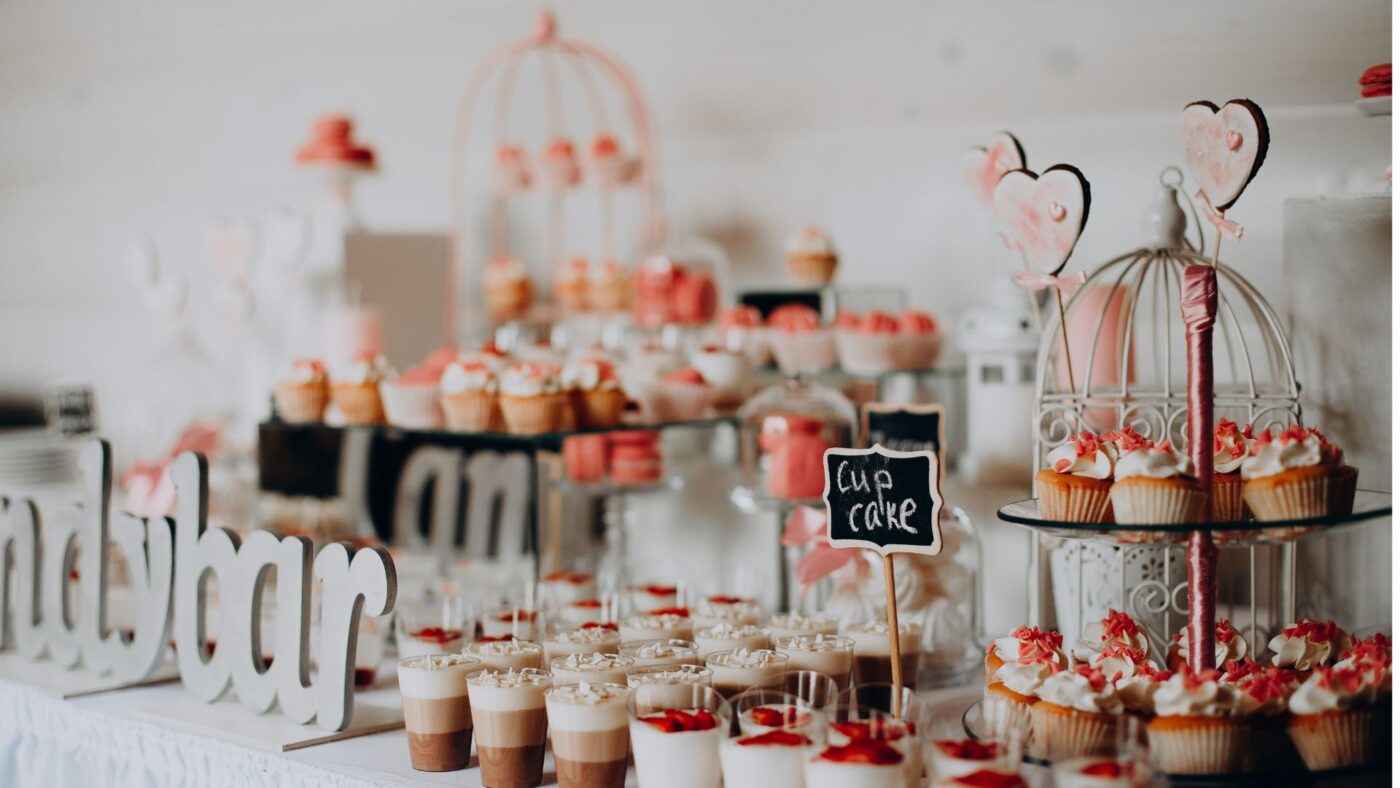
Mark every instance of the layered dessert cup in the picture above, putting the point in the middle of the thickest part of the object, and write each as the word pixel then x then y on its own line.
pixel 594 668
pixel 652 596
pixel 588 732
pixel 671 674
pixel 744 669
pixel 586 639
pixel 869 726
pixel 793 624
pixel 721 609
pixel 729 637
pixel 676 734
pixel 439 626
pixel 508 709
pixel 958 757
pixel 515 622
pixel 564 588
pixel 872 652
pixel 673 651
pixel 856 764
pixel 770 759
pixel 659 625
pixel 507 654
pixel 763 710
pixel 830 655
pixel 581 611
pixel 436 711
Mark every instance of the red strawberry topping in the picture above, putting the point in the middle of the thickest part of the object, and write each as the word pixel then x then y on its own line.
pixel 494 638
pixel 438 635
pixel 877 728
pixel 1104 769
pixel 597 625
pixel 518 615
pixel 720 599
pixel 572 578
pixel 779 717
pixel 775 739
pixel 683 612
pixel 991 779
pixel 590 603
pixel 864 751
pixel 968 750
pixel 658 590
pixel 678 721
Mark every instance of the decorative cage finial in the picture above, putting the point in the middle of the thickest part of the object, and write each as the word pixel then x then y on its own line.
pixel 545 25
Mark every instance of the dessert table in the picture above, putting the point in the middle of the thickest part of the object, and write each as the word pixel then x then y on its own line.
pixel 98 740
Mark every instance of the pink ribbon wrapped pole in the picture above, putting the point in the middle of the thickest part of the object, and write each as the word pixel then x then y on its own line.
pixel 1198 305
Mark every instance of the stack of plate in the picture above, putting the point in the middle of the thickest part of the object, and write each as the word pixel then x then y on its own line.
pixel 35 458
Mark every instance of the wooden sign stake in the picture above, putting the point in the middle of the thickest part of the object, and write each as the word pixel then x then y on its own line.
pixel 1064 337
pixel 892 619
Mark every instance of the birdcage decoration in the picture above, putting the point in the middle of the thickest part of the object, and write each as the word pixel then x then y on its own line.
pixel 589 97
pixel 1128 364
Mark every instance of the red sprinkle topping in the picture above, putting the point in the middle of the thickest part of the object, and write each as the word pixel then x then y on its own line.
pixel 1097 680
pixel 1241 668
pixel 1315 631
pixel 1194 680
pixel 968 750
pixel 864 751
pixel 1040 650
pixel 1118 624
pixel 1035 633
pixel 437 635
pixel 1348 679
pixel 784 717
pixel 677 721
pixel 1271 684
pixel 1224 632
pixel 775 739
pixel 1126 439
pixel 1104 769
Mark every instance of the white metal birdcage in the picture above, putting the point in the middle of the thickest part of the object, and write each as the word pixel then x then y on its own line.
pixel 1128 353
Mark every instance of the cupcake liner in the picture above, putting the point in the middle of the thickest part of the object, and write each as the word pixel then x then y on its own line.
pixel 1298 497
pixel 1147 501
pixel 471 411
pixel 811 269
pixel 1002 715
pixel 679 401
pixel 812 351
pixel 1341 738
pixel 1342 493
pixel 360 403
pixel 1069 501
pixel 413 407
pixel 1058 732
pixel 509 298
pixel 867 354
pixel 532 415
pixel 1228 501
pixel 917 351
pixel 1207 746
pixel 992 663
pixel 599 407
pixel 300 403
pixel 608 296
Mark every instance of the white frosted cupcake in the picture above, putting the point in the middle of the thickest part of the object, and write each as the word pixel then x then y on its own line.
pixel 1289 476
pixel 1075 488
pixel 1075 715
pixel 1153 485
pixel 1200 726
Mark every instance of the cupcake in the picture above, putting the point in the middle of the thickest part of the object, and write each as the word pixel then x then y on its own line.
pixel 607 167
pixel 741 330
pixel 1138 691
pixel 1010 648
pixel 799 341
pixel 303 395
pixel 1076 486
pixel 1116 627
pixel 1007 701
pixel 871 346
pixel 681 395
pixel 919 340
pixel 1341 715
pixel 559 166
pixel 726 371
pixel 1264 698
pixel 531 398
pixel 1199 727
pixel 512 169
pixel 469 388
pixel 1153 485
pixel 1232 446
pixel 1341 493
pixel 957 757
pixel 1075 714
pixel 1230 646
pixel 811 257
pixel 355 388
pixel 608 287
pixel 571 284
pixel 596 392
pixel 411 400
pixel 1309 644
pixel 507 286
pixel 653 285
pixel 1288 476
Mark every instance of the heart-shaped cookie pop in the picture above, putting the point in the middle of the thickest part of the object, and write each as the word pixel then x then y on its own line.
pixel 982 167
pixel 1043 214
pixel 1224 147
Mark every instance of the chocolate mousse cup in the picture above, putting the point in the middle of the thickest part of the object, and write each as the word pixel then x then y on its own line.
pixel 872 652
pixel 650 653
pixel 436 711
pixel 831 655
pixel 508 710
pixel 588 732
pixel 507 654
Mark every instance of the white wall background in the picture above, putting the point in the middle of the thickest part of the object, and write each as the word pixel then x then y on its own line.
pixel 123 118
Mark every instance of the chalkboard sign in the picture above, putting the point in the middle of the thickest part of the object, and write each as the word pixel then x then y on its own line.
pixel 904 427
pixel 883 499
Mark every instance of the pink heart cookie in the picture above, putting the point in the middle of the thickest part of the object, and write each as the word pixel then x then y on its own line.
pixel 1043 214
pixel 1224 147
pixel 982 167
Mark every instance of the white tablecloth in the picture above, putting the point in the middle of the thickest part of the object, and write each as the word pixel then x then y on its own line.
pixel 95 741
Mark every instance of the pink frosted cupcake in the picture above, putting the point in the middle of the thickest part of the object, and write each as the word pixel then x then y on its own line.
pixel 411 401
pixel 1341 714
pixel 469 396
pixel 799 341
pixel 1116 627
pixel 1232 447
pixel 1289 476
pixel 355 388
pixel 512 169
pixel 811 257
pixel 741 329
pixel 532 399
pixel 871 347
pixel 1076 486
pixel 571 284
pixel 1007 701
pixel 607 167
pixel 1076 714
pixel 507 287
pixel 608 287
pixel 1153 485
pixel 919 340
pixel 559 168
pixel 681 395
pixel 303 395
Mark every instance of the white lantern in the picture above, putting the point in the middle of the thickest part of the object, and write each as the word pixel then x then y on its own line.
pixel 1000 341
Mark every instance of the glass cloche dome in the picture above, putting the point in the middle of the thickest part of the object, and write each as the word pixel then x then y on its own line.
pixel 783 432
